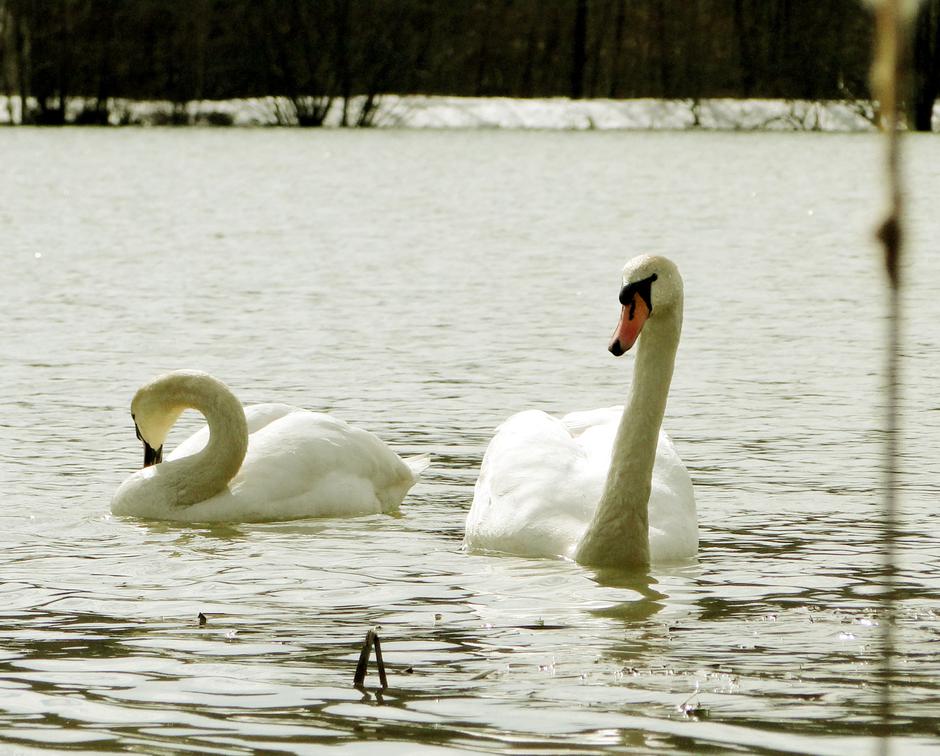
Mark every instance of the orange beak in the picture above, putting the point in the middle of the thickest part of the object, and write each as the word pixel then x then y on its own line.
pixel 632 319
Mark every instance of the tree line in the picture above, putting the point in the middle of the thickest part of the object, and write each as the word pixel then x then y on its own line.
pixel 317 54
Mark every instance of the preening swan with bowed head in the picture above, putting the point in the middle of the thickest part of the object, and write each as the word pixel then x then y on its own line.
pixel 256 464
pixel 605 487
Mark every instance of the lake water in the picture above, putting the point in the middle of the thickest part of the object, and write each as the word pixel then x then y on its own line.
pixel 425 286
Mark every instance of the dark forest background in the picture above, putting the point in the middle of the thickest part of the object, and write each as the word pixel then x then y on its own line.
pixel 316 54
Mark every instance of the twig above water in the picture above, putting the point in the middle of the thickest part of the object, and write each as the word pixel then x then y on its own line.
pixel 372 639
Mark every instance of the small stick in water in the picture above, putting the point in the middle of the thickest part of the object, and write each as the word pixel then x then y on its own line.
pixel 372 639
pixel 379 663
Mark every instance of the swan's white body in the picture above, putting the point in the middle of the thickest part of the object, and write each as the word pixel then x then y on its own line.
pixel 603 487
pixel 264 463
pixel 542 478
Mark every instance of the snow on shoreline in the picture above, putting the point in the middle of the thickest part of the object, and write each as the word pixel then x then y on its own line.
pixel 561 113
pixel 427 112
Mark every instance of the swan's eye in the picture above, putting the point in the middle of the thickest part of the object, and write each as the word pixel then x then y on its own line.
pixel 642 288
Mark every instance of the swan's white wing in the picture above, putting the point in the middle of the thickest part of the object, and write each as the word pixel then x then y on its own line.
pixel 579 422
pixel 672 511
pixel 305 464
pixel 316 457
pixel 535 493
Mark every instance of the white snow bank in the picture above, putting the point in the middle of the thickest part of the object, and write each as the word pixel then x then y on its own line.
pixel 559 113
pixel 423 112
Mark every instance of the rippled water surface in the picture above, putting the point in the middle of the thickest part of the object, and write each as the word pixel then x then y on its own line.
pixel 425 286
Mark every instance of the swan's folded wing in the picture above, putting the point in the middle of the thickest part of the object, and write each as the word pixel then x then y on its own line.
pixel 533 496
pixel 585 420
pixel 307 464
pixel 672 510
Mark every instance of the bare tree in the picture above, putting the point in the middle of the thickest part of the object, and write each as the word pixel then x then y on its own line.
pixel 579 49
pixel 926 84
pixel 313 55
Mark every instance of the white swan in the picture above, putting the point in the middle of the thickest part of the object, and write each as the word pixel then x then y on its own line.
pixel 261 463
pixel 604 487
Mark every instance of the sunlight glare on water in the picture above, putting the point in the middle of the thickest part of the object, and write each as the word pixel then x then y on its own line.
pixel 425 286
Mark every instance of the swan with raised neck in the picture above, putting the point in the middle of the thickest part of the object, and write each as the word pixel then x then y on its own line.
pixel 652 300
pixel 603 487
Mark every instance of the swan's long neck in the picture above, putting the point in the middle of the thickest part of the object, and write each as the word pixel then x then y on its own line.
pixel 619 533
pixel 206 473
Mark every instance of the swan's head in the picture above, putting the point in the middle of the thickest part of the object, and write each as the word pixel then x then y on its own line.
pixel 651 287
pixel 155 408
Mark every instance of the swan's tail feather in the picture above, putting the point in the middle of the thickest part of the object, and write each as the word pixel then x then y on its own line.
pixel 417 464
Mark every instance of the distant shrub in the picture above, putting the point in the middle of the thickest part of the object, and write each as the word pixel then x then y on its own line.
pixel 176 116
pixel 215 118
pixel 91 117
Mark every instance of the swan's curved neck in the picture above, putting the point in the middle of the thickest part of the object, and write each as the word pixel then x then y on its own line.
pixel 206 473
pixel 619 533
